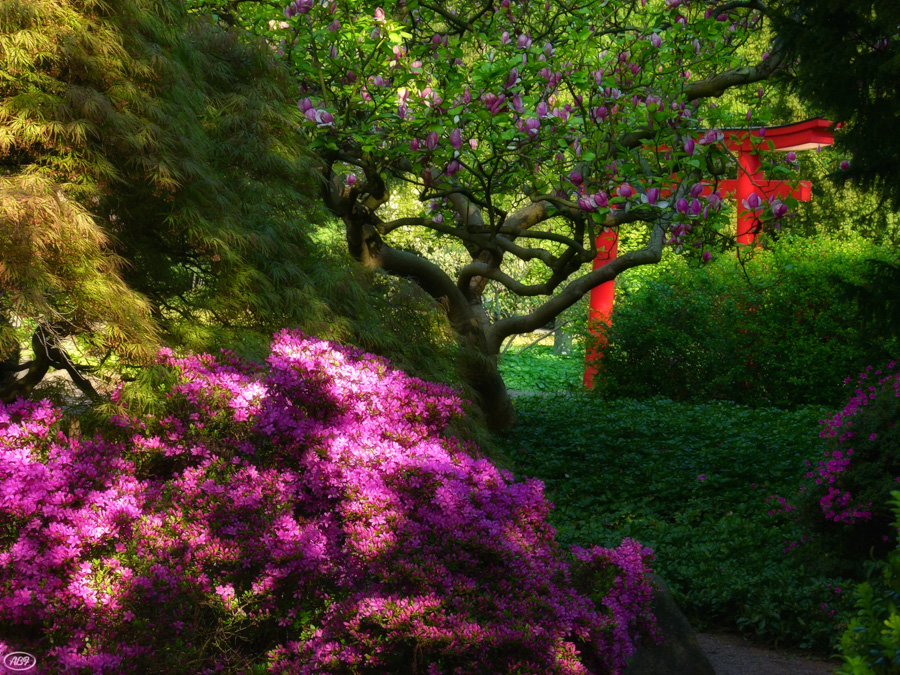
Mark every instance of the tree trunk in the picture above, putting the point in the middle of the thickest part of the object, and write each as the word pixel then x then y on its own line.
pixel 481 372
pixel 562 342
pixel 478 365
pixel 14 386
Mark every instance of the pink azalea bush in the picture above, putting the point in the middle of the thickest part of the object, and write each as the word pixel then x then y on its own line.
pixel 851 485
pixel 306 516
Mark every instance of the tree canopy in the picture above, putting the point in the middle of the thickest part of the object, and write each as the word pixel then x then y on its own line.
pixel 845 59
pixel 525 129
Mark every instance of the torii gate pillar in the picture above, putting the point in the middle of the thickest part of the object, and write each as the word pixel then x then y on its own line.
pixel 601 303
pixel 748 172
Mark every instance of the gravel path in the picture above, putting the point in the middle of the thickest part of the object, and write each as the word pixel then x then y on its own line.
pixel 733 655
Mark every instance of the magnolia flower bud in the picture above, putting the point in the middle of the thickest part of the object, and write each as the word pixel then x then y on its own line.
pixel 625 190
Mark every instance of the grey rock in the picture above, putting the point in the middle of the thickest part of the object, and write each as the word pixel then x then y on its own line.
pixel 680 653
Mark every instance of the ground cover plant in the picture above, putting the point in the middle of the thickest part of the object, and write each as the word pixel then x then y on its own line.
pixel 698 483
pixel 539 368
pixel 309 515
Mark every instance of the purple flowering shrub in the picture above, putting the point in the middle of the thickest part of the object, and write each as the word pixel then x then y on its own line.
pixel 306 516
pixel 848 491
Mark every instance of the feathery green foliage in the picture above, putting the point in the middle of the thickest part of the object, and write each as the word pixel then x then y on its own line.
pixel 152 184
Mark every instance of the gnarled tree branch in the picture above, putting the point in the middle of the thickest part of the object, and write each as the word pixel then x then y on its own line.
pixel 650 254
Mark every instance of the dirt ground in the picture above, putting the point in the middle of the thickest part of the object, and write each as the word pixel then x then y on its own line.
pixel 733 655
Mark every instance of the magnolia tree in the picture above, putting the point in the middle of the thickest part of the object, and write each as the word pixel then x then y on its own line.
pixel 526 130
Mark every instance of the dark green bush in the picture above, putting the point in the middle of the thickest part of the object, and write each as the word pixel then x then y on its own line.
pixel 871 644
pixel 770 330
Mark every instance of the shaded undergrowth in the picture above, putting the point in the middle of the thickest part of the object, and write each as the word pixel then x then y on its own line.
pixel 696 483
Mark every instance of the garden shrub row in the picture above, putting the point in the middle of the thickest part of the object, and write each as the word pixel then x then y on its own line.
pixel 780 328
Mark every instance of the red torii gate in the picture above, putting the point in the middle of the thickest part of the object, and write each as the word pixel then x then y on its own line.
pixel 745 143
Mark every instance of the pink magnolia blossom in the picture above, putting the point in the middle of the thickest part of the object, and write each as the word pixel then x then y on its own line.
pixel 753 203
pixel 532 127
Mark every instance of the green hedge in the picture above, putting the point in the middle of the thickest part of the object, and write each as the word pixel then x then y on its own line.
pixel 777 329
